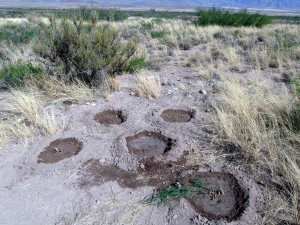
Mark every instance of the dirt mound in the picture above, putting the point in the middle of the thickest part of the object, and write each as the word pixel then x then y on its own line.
pixel 172 115
pixel 149 173
pixel 220 198
pixel 94 173
pixel 110 117
pixel 148 144
pixel 60 149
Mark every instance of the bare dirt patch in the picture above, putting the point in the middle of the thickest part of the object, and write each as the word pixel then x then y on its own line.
pixel 60 149
pixel 147 144
pixel 110 117
pixel 222 198
pixel 172 115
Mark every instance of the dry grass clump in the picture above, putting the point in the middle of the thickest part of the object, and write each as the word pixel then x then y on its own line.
pixel 204 64
pixel 147 84
pixel 12 130
pixel 28 115
pixel 30 108
pixel 255 126
pixel 59 91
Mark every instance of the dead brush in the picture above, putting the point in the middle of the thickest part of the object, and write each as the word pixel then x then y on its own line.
pixel 147 84
pixel 254 127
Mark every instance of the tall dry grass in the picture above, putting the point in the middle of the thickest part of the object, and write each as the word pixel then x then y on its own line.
pixel 254 123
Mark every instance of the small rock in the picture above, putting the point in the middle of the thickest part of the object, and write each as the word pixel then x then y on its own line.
pixel 175 217
pixel 169 83
pixel 102 160
pixel 142 166
pixel 169 92
pixel 208 110
pixel 93 104
pixel 175 88
pixel 203 91
pixel 88 103
pixel 133 93
pixel 131 192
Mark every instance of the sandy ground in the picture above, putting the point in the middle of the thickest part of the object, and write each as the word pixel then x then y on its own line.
pixel 103 180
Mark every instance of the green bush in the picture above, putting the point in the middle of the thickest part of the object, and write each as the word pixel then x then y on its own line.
pixel 222 17
pixel 16 75
pixel 86 50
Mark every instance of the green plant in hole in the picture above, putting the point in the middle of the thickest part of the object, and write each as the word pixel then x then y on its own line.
pixel 175 191
pixel 16 74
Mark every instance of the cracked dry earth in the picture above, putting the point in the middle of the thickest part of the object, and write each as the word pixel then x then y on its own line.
pixel 112 155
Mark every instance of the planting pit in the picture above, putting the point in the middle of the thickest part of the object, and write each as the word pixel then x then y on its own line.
pixel 110 117
pixel 221 198
pixel 148 144
pixel 172 115
pixel 60 149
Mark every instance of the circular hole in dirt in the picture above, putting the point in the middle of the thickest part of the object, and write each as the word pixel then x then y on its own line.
pixel 110 117
pixel 148 144
pixel 60 149
pixel 173 115
pixel 221 196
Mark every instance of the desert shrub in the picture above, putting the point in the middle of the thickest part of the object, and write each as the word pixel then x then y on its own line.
pixel 113 14
pixel 86 50
pixel 16 74
pixel 222 17
pixel 17 34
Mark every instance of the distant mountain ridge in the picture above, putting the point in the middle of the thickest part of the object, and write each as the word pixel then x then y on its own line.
pixel 257 4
